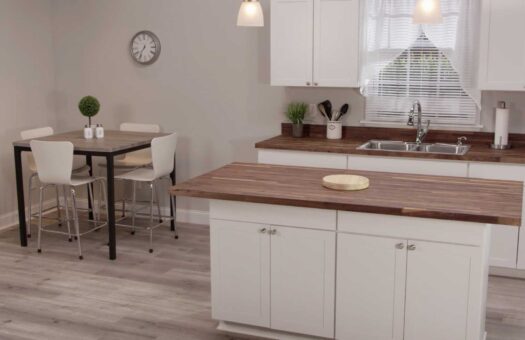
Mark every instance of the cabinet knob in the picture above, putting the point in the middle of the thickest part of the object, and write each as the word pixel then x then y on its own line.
pixel 273 231
pixel 316 84
pixel 262 230
pixel 400 246
pixel 308 83
pixel 411 247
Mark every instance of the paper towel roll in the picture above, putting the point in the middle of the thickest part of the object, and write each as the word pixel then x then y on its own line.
pixel 501 133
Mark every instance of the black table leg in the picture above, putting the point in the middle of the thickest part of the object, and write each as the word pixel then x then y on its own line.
pixel 174 205
pixel 89 163
pixel 20 197
pixel 111 208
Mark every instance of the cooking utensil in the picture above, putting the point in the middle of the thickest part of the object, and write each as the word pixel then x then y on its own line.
pixel 320 107
pixel 327 108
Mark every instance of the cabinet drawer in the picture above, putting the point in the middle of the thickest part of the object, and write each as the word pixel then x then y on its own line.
pixel 408 165
pixel 412 228
pixel 303 158
pixel 273 214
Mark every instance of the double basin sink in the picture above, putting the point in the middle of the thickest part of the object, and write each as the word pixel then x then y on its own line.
pixel 431 148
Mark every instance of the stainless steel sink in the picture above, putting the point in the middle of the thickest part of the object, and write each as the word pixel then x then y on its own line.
pixel 435 148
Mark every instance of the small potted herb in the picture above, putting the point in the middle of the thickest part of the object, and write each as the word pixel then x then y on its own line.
pixel 89 107
pixel 296 113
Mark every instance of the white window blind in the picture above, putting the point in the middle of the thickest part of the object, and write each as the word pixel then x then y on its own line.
pixel 434 64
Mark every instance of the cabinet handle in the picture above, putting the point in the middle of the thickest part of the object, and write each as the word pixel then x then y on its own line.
pixel 400 246
pixel 411 247
pixel 262 230
pixel 308 83
pixel 316 84
pixel 273 231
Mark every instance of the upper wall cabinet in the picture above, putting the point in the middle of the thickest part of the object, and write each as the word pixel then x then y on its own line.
pixel 502 62
pixel 315 43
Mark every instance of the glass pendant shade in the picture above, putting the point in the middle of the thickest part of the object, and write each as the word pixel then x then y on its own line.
pixel 427 12
pixel 250 14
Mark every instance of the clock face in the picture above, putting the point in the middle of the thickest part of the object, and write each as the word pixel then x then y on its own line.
pixel 145 47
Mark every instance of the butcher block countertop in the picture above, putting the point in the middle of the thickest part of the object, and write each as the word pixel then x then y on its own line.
pixel 447 198
pixel 353 137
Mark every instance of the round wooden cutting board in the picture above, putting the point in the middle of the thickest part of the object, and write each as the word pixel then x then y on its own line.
pixel 346 182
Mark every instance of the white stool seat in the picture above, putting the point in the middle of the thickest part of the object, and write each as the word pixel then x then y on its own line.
pixel 82 180
pixel 139 175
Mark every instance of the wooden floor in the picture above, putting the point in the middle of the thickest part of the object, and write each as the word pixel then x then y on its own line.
pixel 164 295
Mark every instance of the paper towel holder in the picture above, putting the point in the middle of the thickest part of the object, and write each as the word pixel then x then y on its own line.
pixel 501 146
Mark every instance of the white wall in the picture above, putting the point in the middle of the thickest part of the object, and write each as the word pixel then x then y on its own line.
pixel 26 84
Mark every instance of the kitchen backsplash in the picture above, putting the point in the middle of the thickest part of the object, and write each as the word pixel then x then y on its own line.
pixel 515 101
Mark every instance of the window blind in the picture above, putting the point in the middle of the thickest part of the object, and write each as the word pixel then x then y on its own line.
pixel 420 72
pixel 435 64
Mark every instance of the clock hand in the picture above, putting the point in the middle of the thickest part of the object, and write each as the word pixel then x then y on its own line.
pixel 142 51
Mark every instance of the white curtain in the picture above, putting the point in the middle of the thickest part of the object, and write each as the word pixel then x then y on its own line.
pixel 388 31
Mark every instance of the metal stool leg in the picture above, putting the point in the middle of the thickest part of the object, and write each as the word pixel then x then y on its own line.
pixel 155 185
pixel 134 207
pixel 66 208
pixel 152 188
pixel 59 215
pixel 77 226
pixel 30 199
pixel 40 219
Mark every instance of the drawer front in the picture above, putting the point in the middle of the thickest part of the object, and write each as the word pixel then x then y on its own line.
pixel 416 228
pixel 302 158
pixel 408 166
pixel 273 214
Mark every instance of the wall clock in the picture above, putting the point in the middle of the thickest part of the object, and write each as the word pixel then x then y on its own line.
pixel 145 47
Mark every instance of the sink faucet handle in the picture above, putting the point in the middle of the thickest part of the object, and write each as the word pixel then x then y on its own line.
pixel 410 121
pixel 462 140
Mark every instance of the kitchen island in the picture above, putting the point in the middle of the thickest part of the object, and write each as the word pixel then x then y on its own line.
pixel 405 259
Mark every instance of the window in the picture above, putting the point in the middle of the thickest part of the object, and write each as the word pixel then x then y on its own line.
pixel 435 64
pixel 420 72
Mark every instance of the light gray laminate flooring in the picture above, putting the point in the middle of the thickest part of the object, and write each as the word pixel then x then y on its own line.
pixel 164 295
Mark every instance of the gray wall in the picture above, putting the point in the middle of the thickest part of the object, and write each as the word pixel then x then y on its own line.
pixel 27 85
pixel 211 83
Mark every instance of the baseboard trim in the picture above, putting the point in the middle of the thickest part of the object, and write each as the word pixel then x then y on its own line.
pixel 258 332
pixel 10 219
pixel 507 272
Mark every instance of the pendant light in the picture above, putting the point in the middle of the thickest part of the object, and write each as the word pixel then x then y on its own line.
pixel 427 12
pixel 250 14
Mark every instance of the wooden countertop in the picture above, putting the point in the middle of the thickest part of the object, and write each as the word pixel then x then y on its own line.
pixel 356 136
pixel 448 198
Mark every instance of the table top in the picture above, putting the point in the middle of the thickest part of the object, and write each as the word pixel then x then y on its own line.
pixel 438 197
pixel 113 141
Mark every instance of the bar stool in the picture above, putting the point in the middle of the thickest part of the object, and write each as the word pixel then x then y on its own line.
pixel 162 155
pixel 54 164
pixel 136 159
pixel 79 166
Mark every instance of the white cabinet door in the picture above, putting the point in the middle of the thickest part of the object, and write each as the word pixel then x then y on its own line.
pixel 438 289
pixel 292 42
pixel 504 244
pixel 302 158
pixel 408 165
pixel 370 287
pixel 303 281
pixel 336 43
pixel 240 272
pixel 502 61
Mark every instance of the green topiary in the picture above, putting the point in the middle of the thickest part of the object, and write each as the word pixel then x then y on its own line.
pixel 296 112
pixel 89 107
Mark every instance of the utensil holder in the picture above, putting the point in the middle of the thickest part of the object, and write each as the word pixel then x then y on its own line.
pixel 334 130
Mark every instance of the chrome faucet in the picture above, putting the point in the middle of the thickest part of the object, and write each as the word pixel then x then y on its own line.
pixel 421 130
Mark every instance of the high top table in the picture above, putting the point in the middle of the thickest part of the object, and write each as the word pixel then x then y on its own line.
pixel 113 144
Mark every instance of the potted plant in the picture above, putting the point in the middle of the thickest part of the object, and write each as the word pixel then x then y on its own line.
pixel 296 113
pixel 89 107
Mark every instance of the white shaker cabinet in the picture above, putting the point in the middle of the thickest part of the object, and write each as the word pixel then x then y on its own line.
pixel 502 58
pixel 303 281
pixel 240 267
pixel 370 287
pixel 439 275
pixel 315 43
pixel 302 158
